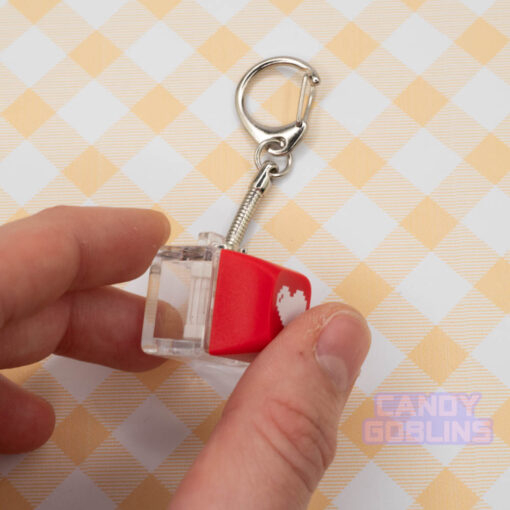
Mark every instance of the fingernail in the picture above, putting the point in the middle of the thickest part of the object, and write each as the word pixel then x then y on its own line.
pixel 342 347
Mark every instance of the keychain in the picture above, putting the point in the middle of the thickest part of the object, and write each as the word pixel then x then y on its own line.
pixel 232 304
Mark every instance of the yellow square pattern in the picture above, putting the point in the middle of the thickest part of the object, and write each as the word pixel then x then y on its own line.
pixel 397 203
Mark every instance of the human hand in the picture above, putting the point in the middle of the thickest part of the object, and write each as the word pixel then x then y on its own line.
pixel 55 268
pixel 278 431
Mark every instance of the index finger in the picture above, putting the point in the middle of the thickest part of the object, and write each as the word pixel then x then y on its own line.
pixel 69 248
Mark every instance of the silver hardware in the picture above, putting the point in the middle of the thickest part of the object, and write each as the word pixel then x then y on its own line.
pixel 290 134
pixel 275 141
pixel 242 219
pixel 265 146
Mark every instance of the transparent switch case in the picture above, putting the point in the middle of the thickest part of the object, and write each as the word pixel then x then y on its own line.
pixel 183 277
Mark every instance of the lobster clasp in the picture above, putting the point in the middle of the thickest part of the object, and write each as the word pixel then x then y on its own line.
pixel 283 138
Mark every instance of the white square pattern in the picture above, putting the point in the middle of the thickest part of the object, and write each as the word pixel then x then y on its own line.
pixel 383 357
pixel 159 51
pixel 355 103
pixel 305 167
pixel 223 10
pixel 349 8
pixel 216 108
pixel 25 172
pixel 494 352
pixel 78 492
pixel 157 168
pixel 417 43
pixel 31 56
pixel 9 462
pixel 92 111
pixel 487 220
pixel 444 453
pixel 373 488
pixel 498 495
pixel 486 97
pixel 425 161
pixel 478 6
pixel 77 377
pixel 96 12
pixel 361 225
pixel 151 433
pixel 287 38
pixel 434 288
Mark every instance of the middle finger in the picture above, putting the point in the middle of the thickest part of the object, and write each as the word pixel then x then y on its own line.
pixel 100 326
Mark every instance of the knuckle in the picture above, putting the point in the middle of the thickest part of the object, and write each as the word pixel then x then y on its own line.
pixel 57 210
pixel 304 441
pixel 55 213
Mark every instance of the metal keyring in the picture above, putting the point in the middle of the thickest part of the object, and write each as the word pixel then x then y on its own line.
pixel 265 146
pixel 276 142
pixel 292 133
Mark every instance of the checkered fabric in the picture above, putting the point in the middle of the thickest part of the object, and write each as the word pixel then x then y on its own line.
pixel 398 204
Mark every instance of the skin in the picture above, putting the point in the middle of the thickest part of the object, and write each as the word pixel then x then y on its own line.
pixel 278 431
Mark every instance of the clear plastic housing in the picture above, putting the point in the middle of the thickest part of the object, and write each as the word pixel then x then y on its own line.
pixel 183 277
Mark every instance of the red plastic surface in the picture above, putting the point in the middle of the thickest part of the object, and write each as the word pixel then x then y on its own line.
pixel 254 299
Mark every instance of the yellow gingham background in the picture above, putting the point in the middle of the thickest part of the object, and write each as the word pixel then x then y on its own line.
pixel 398 203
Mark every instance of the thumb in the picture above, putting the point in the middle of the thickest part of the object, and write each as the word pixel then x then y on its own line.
pixel 278 431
